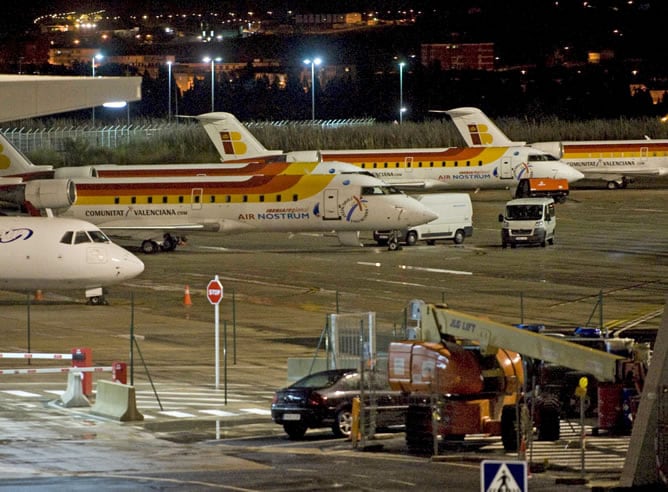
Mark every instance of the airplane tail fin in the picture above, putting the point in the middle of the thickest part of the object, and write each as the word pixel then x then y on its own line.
pixel 14 164
pixel 478 130
pixel 232 139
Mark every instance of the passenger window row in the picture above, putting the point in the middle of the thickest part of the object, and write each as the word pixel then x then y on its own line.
pixel 181 199
pixel 388 165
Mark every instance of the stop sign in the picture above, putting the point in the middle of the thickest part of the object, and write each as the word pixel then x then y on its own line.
pixel 214 291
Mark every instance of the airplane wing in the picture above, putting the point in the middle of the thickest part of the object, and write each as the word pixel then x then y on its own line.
pixel 619 174
pixel 412 184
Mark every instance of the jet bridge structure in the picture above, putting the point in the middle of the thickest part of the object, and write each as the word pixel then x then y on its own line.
pixel 29 96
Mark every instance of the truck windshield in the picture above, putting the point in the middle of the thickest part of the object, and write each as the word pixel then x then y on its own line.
pixel 524 212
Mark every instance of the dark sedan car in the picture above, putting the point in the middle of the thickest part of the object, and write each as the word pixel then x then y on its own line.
pixel 324 399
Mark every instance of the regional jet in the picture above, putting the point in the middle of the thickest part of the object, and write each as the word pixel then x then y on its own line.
pixel 172 206
pixel 617 162
pixel 49 253
pixel 409 169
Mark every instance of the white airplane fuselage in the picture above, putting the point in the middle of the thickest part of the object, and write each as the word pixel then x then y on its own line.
pixel 60 254
pixel 613 161
pixel 456 168
pixel 292 203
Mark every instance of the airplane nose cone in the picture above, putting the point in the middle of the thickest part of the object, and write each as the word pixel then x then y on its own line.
pixel 427 215
pixel 127 265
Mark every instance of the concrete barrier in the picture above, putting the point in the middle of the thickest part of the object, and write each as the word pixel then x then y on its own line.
pixel 73 396
pixel 116 401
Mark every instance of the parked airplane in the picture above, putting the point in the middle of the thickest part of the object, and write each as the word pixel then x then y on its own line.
pixel 39 253
pixel 343 203
pixel 617 162
pixel 438 168
pixel 14 164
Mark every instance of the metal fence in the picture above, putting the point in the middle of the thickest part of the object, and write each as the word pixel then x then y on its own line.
pixel 57 139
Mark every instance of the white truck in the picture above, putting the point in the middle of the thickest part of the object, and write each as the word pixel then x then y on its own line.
pixel 528 221
pixel 454 222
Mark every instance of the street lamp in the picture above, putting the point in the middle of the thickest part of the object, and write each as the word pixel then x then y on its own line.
pixel 401 92
pixel 313 63
pixel 97 56
pixel 213 72
pixel 169 90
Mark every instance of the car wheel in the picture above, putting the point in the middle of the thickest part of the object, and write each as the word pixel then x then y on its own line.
pixel 149 247
pixel 344 423
pixel 294 431
pixel 411 238
pixel 459 236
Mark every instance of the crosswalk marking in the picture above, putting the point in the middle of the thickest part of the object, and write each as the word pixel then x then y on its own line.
pixel 177 414
pixel 219 413
pixel 22 393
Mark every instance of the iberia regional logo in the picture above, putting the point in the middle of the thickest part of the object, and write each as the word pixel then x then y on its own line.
pixel 354 209
pixel 480 134
pixel 232 143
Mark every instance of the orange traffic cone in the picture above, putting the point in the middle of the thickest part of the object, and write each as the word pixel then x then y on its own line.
pixel 186 297
pixel 39 296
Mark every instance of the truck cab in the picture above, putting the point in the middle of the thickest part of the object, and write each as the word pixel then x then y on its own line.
pixel 528 221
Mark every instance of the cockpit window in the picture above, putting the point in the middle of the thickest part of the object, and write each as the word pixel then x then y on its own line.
pixel 67 237
pixel 380 190
pixel 98 236
pixel 81 237
pixel 541 157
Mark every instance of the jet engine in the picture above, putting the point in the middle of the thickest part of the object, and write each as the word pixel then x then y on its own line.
pixel 49 193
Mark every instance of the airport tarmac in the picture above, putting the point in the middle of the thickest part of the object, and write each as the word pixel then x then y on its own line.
pixel 610 246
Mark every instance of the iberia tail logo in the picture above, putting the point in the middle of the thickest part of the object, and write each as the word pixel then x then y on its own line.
pixel 232 143
pixel 5 162
pixel 480 134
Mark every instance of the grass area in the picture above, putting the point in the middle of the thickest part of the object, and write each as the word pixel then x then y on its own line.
pixel 187 141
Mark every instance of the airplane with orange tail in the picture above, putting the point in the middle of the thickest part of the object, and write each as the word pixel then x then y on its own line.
pixel 617 162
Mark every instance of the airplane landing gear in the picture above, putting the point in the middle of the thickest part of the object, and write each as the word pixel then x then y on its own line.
pixel 393 241
pixel 96 297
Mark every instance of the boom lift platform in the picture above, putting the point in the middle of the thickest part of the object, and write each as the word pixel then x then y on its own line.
pixel 476 370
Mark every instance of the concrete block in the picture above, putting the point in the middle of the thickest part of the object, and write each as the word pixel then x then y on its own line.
pixel 116 401
pixel 73 396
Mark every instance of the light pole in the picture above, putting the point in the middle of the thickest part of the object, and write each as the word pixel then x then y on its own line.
pixel 169 90
pixel 213 73
pixel 313 63
pixel 401 92
pixel 98 56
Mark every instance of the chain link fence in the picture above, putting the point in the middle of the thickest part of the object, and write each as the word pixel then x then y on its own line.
pixel 32 139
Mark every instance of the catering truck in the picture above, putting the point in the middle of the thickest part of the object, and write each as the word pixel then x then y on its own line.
pixel 454 222
pixel 528 221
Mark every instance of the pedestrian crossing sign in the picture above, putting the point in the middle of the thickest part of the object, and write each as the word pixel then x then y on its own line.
pixel 503 476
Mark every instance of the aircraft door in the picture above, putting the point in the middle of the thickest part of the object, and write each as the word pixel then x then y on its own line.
pixel 196 198
pixel 331 205
pixel 506 168
pixel 644 153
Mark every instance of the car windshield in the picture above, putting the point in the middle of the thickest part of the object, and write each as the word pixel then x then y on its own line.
pixel 318 380
pixel 524 212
